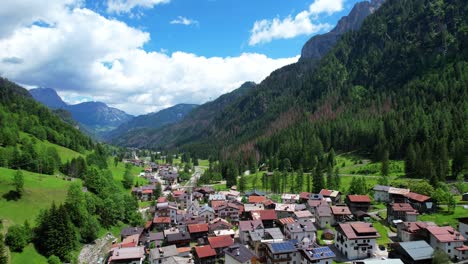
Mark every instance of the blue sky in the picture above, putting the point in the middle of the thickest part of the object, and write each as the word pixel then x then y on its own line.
pixel 145 55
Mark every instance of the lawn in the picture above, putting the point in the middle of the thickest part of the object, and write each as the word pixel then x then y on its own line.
pixel 64 153
pixel 39 192
pixel 350 163
pixel 29 255
pixel 445 218
pixel 119 171
pixel 383 231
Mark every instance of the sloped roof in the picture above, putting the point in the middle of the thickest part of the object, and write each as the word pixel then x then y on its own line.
pixel 417 250
pixel 417 197
pixel 445 233
pixel 359 198
pixel 205 251
pixel 198 228
pixel 240 253
pixel 341 210
pixel 264 215
pixel 220 241
pixel 257 199
pixel 250 225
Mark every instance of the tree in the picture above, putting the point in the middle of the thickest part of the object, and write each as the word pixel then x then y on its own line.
pixel 440 257
pixel 317 183
pixel 300 180
pixel 76 204
pixel 410 161
pixel 336 178
pixel 331 158
pixel 330 180
pixel 157 191
pixel 385 164
pixel 127 179
pixel 18 181
pixel 54 260
pixel 358 186
pixel 241 186
pixel 286 165
pixel 3 251
pixel 421 187
pixel 17 238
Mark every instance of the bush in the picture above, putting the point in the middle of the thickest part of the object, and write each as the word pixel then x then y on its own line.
pixel 54 260
pixel 17 238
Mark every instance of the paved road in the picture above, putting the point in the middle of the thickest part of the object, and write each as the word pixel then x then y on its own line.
pixel 195 176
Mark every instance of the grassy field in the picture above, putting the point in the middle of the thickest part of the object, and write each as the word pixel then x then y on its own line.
pixel 29 255
pixel 119 171
pixel 383 231
pixel 353 164
pixel 64 153
pixel 445 218
pixel 39 192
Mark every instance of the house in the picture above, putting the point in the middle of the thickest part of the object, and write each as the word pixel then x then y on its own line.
pixel 323 216
pixel 254 193
pixel 334 196
pixel 207 212
pixel 246 226
pixel 412 231
pixel 358 203
pixel 239 254
pixel 447 239
pixel 129 255
pixel 144 193
pixel 193 207
pixel 313 204
pixel 289 198
pixel 181 197
pixel 161 254
pixel 401 211
pixel 413 252
pixel 179 239
pixel 285 209
pixel 167 210
pixel 218 224
pixel 356 240
pixel 268 217
pixel 306 196
pixel 463 226
pixel 300 230
pixel 420 202
pixel 229 210
pixel 256 199
pixel 259 237
pixel 317 255
pixel 205 255
pixel 219 243
pixel 397 195
pixel 281 253
pixel 152 238
pixel 302 215
pixel 230 195
pixel 252 207
pixel 341 214
pixel 465 196
pixel 130 231
pixel 381 193
pixel 216 197
pixel 161 223
pixel 130 241
pixel 198 231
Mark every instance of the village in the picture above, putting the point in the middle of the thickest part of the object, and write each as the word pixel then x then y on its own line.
pixel 196 224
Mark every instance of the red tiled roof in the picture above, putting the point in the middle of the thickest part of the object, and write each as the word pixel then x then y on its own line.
pixel 340 210
pixel 162 200
pixel 147 191
pixel 287 220
pixel 359 198
pixel 325 192
pixel 264 215
pixel 249 225
pixel 205 251
pixel 197 228
pixel 178 193
pixel 256 199
pixel 445 233
pixel 357 230
pixel 304 195
pixel 148 224
pixel 221 241
pixel 417 197
pixel 216 204
pixel 267 202
pixel 162 220
pixel 402 207
pixel 184 249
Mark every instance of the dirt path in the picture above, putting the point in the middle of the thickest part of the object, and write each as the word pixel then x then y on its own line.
pixel 95 253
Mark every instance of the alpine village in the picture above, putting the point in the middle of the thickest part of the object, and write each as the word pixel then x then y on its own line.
pixel 356 153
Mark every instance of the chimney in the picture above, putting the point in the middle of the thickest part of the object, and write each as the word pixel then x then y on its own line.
pixel 117 253
pixel 238 252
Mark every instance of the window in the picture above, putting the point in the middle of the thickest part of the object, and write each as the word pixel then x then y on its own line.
pixel 449 244
pixel 448 251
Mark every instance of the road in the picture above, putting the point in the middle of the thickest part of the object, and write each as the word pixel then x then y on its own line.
pixel 195 176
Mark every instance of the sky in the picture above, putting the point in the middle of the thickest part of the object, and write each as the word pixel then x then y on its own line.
pixel 142 56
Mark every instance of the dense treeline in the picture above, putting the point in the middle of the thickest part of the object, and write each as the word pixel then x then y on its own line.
pixel 399 85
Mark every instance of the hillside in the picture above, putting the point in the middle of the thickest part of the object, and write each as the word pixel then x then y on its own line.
pixel 48 97
pixel 192 127
pixel 164 117
pixel 398 81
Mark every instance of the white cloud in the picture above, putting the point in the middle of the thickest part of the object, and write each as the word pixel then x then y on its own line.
pixel 266 30
pixel 184 21
pixel 85 55
pixel 126 6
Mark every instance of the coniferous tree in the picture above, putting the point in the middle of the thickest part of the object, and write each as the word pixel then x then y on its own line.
pixel 128 179
pixel 410 161
pixel 385 164
pixel 242 184
pixel 330 180
pixel 18 181
pixel 317 183
pixel 3 251
pixel 300 180
pixel 336 178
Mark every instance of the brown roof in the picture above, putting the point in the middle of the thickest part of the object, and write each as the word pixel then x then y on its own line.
pixel 445 234
pixel 257 199
pixel 325 192
pixel 359 198
pixel 216 204
pixel 402 207
pixel 303 214
pixel 417 197
pixel 264 215
pixel 340 210
pixel 250 225
pixel 198 228
pixel 287 220
pixel 220 241
pixel 304 195
pixel 162 220
pixel 162 199
pixel 358 230
pixel 205 252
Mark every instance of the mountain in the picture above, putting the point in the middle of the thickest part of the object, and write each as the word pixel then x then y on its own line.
pixel 95 118
pixel 191 127
pixel 397 82
pixel 48 97
pixel 320 45
pixel 166 116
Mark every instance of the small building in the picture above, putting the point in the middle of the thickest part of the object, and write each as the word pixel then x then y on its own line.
pixel 413 252
pixel 289 198
pixel 281 252
pixel 356 240
pixel 401 211
pixel 300 230
pixel 285 209
pixel 219 243
pixel 218 224
pixel 130 231
pixel 341 214
pixel 381 193
pixel 180 239
pixel 465 196
pixel 303 215
pixel 246 226
pixel 447 239
pixel 239 254
pixel 161 254
pixel 413 231
pixel 198 231
pixel 323 216
pixel 333 195
pixel 257 238
pixel 268 217
pixel 463 226
pixel 317 255
pixel 420 202
pixel 130 255
pixel 205 255
pixel 256 199
pixel 358 203
pixel 207 212
pixel 161 223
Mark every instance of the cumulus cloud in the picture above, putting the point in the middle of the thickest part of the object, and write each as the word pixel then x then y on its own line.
pixel 266 30
pixel 126 6
pixel 184 21
pixel 85 55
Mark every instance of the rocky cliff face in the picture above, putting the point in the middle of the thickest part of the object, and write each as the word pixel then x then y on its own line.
pixel 319 45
